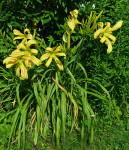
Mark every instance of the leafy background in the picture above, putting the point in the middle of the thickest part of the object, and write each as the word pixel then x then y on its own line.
pixel 112 70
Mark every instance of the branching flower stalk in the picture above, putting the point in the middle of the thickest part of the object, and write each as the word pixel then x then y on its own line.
pixel 90 24
pixel 71 25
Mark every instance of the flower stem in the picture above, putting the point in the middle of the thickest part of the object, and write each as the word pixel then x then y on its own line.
pixel 68 44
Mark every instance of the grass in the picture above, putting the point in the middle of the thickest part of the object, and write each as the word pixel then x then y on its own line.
pixel 113 138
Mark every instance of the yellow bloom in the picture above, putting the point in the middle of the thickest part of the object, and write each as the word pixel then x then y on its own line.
pixel 21 70
pixel 22 36
pixel 23 57
pixel 51 54
pixel 105 34
pixel 73 21
pixel 10 61
pixel 29 53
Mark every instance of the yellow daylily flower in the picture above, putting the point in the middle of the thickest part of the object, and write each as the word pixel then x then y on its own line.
pixel 51 54
pixel 23 57
pixel 22 36
pixel 26 46
pixel 73 21
pixel 105 34
pixel 30 60
pixel 21 70
pixel 29 57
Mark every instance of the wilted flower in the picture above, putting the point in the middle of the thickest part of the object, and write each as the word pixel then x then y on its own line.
pixel 51 54
pixel 68 32
pixel 73 21
pixel 105 34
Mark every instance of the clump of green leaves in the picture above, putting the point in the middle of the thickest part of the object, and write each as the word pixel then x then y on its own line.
pixel 57 102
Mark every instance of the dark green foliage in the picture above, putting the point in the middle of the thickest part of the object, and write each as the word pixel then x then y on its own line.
pixel 110 70
pixel 48 14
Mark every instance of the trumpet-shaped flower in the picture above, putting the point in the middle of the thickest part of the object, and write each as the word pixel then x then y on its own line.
pixel 51 53
pixel 21 70
pixel 73 21
pixel 29 53
pixel 105 34
pixel 23 57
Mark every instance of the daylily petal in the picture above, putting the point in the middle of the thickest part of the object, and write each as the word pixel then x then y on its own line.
pixel 26 31
pixel 49 61
pixel 58 62
pixel 44 57
pixel 29 36
pixel 74 13
pixel 9 65
pixel 16 32
pixel 49 49
pixel 61 54
pixel 58 49
pixel 111 37
pixel 96 34
pixel 35 51
pixel 33 59
pixel 22 46
pixel 24 74
pixel 77 22
pixel 109 44
pixel 71 24
pixel 17 53
pixel 107 26
pixel 117 25
pixel 30 42
pixel 19 37
pixel 103 39
pixel 9 59
pixel 29 63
